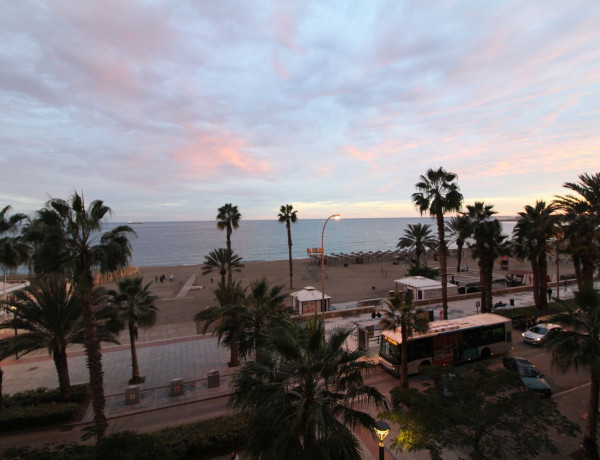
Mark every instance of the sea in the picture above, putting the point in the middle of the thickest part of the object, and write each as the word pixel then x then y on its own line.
pixel 162 244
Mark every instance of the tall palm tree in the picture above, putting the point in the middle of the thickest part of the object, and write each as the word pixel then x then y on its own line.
pixel 301 394
pixel 417 238
pixel 287 214
pixel 400 314
pixel 536 225
pixel 49 316
pixel 579 348
pixel 14 250
pixel 227 319
pixel 228 219
pixel 459 228
pixel 224 261
pixel 68 239
pixel 438 193
pixel 134 306
pixel 582 224
pixel 489 244
pixel 265 309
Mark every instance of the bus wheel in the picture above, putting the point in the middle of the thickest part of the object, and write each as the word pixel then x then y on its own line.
pixel 424 366
pixel 486 353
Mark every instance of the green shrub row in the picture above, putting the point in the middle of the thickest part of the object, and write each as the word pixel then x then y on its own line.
pixel 44 396
pixel 18 418
pixel 200 440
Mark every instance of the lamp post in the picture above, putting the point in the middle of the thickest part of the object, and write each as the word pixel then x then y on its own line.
pixel 336 217
pixel 381 430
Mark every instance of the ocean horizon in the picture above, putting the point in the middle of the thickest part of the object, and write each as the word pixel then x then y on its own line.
pixel 163 244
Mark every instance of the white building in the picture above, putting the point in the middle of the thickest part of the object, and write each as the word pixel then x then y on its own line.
pixel 308 300
pixel 423 288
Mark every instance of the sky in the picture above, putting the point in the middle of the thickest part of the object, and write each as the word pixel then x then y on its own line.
pixel 166 110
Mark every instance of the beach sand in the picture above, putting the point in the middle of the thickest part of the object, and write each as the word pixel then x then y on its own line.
pixel 344 284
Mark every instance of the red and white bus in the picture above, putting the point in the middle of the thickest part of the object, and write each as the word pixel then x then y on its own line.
pixel 448 342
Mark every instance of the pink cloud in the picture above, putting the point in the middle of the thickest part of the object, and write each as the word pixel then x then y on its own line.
pixel 206 152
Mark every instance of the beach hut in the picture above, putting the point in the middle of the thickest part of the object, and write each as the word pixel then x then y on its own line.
pixel 309 300
pixel 423 288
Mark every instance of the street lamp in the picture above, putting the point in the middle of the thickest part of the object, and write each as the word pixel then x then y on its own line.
pixel 336 217
pixel 381 430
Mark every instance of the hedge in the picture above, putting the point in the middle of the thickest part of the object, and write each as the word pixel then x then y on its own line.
pixel 18 418
pixel 200 440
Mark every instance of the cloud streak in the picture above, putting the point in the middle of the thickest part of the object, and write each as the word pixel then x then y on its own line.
pixel 167 110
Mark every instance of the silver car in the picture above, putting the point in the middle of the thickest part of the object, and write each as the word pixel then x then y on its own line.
pixel 538 333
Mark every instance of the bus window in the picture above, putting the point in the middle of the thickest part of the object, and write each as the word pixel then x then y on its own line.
pixel 492 334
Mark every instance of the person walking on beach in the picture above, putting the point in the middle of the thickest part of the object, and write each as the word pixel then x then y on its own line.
pixel 171 277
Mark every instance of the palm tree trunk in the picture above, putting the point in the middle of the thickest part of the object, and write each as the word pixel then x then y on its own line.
pixel 234 354
pixel 459 247
pixel 223 273
pixel 536 282
pixel 229 237
pixel 442 259
pixel 542 269
pixel 62 370
pixel 94 363
pixel 289 234
pixel 590 448
pixel 404 358
pixel 135 370
pixel 481 264
pixel 488 284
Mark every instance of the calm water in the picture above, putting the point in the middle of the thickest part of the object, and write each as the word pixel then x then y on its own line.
pixel 186 243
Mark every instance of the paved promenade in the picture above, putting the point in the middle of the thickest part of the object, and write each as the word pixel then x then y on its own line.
pixel 166 352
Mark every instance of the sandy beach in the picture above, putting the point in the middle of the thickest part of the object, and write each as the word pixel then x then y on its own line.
pixel 344 284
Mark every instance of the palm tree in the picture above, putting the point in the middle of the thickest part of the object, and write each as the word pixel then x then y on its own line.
pixel 68 240
pixel 224 261
pixel 536 225
pixel 579 348
pixel 582 224
pixel 134 306
pixel 489 244
pixel 227 320
pixel 400 314
pixel 301 394
pixel 228 219
pixel 287 214
pixel 265 309
pixel 459 228
pixel 417 238
pixel 13 249
pixel 49 316
pixel 438 193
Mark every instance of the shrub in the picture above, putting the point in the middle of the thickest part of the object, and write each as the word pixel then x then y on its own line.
pixel 79 394
pixel 21 417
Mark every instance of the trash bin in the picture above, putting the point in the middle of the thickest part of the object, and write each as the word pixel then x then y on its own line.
pixel 177 387
pixel 132 395
pixel 213 379
pixel 512 302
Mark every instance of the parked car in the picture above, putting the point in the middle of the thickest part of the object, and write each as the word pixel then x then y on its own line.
pixel 530 376
pixel 538 333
